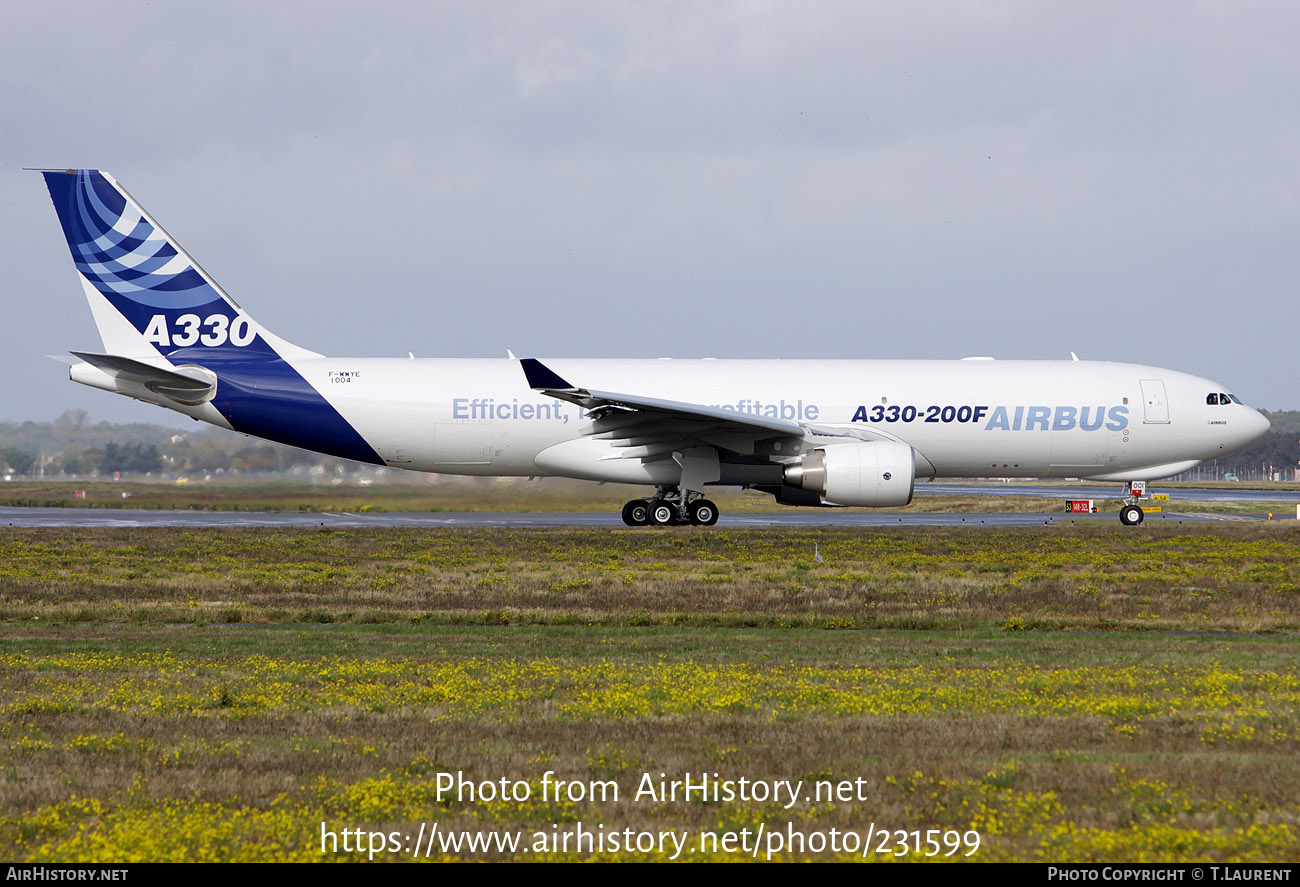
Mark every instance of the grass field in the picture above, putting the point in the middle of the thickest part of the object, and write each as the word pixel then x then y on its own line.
pixel 1081 693
pixel 1240 578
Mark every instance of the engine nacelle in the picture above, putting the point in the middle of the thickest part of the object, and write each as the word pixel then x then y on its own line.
pixel 870 473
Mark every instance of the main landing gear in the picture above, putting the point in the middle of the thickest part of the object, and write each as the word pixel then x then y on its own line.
pixel 669 508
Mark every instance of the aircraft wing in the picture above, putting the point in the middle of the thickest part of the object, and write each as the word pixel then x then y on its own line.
pixel 650 427
pixel 542 378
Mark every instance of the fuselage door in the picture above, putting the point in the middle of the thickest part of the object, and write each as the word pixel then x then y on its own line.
pixel 1155 405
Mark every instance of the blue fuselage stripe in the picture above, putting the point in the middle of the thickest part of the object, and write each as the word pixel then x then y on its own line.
pixel 270 399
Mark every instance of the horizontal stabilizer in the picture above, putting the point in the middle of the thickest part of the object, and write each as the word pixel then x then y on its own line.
pixel 187 384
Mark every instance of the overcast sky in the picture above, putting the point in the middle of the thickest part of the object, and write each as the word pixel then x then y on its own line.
pixel 677 179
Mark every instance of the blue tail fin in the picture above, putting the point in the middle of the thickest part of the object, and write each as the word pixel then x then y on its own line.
pixel 173 337
pixel 148 296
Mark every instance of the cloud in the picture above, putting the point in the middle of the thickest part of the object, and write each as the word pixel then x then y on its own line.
pixel 593 179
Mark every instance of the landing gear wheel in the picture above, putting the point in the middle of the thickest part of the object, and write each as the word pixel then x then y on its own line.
pixel 1131 515
pixel 663 514
pixel 703 513
pixel 636 513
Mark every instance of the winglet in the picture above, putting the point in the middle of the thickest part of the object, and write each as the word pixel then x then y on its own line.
pixel 541 377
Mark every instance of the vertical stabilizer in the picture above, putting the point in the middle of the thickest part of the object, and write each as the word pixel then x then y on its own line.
pixel 173 337
pixel 148 297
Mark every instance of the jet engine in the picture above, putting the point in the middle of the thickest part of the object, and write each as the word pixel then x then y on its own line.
pixel 870 473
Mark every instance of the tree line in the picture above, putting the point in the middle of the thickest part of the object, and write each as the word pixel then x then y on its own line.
pixel 72 446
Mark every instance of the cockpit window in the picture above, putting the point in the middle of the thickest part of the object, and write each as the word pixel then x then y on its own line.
pixel 1212 399
pixel 1233 396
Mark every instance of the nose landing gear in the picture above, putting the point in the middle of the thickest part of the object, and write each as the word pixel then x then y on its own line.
pixel 1130 515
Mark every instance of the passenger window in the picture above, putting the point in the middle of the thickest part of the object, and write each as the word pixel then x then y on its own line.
pixel 1212 399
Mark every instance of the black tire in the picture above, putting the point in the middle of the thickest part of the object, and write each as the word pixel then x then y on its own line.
pixel 1131 515
pixel 663 514
pixel 703 513
pixel 636 513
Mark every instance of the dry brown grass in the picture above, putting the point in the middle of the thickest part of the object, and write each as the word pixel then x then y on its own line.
pixel 1221 578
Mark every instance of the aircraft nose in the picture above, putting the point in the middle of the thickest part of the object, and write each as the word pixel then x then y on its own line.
pixel 1257 426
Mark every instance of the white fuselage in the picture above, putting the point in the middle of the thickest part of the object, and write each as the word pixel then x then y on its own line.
pixel 964 418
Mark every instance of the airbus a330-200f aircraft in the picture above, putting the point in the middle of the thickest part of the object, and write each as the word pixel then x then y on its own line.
pixel 809 432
